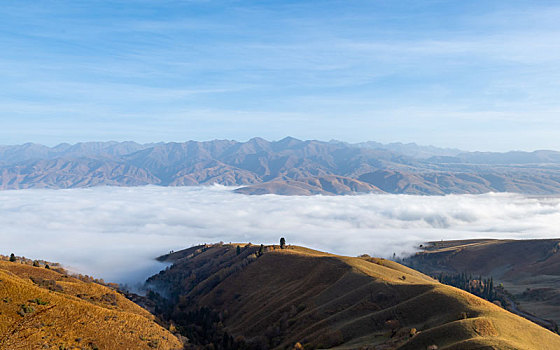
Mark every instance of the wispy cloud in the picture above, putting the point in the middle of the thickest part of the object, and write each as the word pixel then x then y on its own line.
pixel 345 60
pixel 115 233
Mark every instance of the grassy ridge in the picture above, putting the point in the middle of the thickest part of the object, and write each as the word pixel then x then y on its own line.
pixel 528 269
pixel 42 308
pixel 286 296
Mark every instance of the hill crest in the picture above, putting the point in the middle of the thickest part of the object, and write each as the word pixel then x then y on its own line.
pixel 46 308
pixel 285 296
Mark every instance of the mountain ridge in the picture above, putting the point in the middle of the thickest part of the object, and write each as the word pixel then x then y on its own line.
pixel 287 166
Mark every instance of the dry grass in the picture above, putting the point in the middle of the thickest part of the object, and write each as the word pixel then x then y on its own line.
pixel 58 311
pixel 529 269
pixel 328 301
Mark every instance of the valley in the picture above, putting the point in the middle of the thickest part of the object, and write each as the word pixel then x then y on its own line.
pixel 527 269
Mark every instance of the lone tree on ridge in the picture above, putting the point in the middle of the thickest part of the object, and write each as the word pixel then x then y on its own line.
pixel 282 243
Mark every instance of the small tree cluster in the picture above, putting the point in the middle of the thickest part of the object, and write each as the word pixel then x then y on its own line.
pixel 483 288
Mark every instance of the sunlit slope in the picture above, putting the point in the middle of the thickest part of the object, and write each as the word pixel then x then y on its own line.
pixel 327 301
pixel 529 269
pixel 41 308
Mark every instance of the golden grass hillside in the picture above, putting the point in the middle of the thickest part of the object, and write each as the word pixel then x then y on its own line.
pixel 281 297
pixel 46 309
pixel 528 269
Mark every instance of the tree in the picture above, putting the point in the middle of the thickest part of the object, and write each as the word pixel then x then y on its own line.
pixel 47 266
pixel 238 250
pixel 282 243
pixel 12 257
pixel 261 250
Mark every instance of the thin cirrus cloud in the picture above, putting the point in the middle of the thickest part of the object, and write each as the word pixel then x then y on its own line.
pixel 360 63
pixel 115 233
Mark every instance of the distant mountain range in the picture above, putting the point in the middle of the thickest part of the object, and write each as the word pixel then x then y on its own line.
pixel 288 166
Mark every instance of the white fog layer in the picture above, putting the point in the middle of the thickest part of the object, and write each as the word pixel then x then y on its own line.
pixel 114 233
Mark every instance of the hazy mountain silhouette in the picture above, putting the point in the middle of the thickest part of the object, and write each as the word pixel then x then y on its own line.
pixel 287 166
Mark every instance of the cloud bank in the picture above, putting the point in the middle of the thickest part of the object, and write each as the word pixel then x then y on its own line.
pixel 114 233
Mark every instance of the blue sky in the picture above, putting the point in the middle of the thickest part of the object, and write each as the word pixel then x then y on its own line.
pixel 478 75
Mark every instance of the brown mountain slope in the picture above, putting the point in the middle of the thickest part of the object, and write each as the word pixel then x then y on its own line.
pixel 285 296
pixel 46 309
pixel 529 269
pixel 287 166
pixel 507 259
pixel 325 185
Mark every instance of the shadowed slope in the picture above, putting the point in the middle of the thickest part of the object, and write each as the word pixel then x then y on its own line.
pixel 529 269
pixel 324 301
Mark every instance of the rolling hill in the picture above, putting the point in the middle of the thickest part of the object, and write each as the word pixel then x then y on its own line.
pixel 528 269
pixel 48 309
pixel 266 297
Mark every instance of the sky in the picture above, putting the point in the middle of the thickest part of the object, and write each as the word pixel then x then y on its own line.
pixel 476 75
pixel 115 233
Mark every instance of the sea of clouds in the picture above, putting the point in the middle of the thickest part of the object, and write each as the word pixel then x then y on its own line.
pixel 115 233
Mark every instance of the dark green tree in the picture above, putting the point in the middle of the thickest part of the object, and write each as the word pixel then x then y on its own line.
pixel 238 250
pixel 12 257
pixel 282 243
pixel 261 250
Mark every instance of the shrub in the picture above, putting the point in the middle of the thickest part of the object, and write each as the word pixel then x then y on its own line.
pixel 12 257
pixel 46 283
pixel 39 301
pixel 25 310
